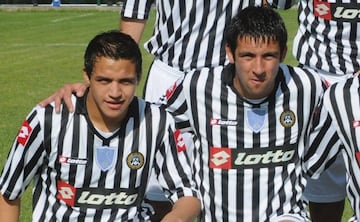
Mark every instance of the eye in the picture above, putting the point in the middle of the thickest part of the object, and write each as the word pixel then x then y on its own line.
pixel 128 81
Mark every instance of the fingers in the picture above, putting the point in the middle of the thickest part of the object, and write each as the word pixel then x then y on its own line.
pixel 46 101
pixel 357 73
pixel 79 89
pixel 64 95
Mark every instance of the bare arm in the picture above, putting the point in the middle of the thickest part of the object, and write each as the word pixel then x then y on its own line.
pixel 132 27
pixel 186 209
pixel 64 94
pixel 9 210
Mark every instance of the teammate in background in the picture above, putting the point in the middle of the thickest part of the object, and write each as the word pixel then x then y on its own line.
pixel 94 164
pixel 252 118
pixel 341 103
pixel 328 41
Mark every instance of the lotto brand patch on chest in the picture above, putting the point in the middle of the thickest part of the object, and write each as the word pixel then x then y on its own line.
pixel 96 197
pixel 344 12
pixel 227 158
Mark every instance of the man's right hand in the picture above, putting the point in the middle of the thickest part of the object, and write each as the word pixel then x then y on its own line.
pixel 64 94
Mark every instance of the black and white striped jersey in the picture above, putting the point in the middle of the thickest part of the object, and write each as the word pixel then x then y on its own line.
pixel 190 34
pixel 82 174
pixel 250 163
pixel 328 37
pixel 342 102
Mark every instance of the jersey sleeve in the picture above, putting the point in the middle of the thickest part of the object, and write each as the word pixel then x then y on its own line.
pixel 282 4
pixel 323 144
pixel 136 9
pixel 174 166
pixel 175 102
pixel 24 159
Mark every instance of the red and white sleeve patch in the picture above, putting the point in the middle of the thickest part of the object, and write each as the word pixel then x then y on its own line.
pixel 180 144
pixel 170 91
pixel 24 133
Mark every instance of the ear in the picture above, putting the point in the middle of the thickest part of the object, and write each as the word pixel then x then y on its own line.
pixel 283 54
pixel 229 54
pixel 86 77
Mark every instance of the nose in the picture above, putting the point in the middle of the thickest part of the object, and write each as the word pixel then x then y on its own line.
pixel 259 66
pixel 115 90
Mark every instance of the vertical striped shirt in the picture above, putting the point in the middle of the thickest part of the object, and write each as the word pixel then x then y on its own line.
pixel 250 161
pixel 342 102
pixel 328 37
pixel 189 34
pixel 83 174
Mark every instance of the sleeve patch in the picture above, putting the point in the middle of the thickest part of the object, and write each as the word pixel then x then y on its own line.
pixel 24 133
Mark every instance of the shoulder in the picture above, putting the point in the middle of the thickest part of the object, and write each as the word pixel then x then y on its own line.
pixel 343 90
pixel 200 76
pixel 306 77
pixel 156 110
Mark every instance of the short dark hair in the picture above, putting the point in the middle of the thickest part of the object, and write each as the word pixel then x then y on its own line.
pixel 259 23
pixel 115 45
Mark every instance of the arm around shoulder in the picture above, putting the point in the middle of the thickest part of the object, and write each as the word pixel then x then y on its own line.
pixel 9 209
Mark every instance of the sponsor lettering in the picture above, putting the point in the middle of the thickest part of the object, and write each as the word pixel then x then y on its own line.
pixel 344 13
pixel 227 158
pixel 113 198
pixel 269 157
pixel 70 160
pixel 214 122
pixel 97 197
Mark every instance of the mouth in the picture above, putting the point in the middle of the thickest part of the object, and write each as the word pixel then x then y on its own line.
pixel 257 81
pixel 114 104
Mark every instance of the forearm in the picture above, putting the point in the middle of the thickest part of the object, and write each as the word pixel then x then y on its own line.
pixel 132 27
pixel 9 210
pixel 186 209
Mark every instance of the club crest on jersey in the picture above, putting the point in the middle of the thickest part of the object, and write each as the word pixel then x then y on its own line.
pixel 256 119
pixel 105 157
pixel 287 118
pixel 135 160
pixel 24 133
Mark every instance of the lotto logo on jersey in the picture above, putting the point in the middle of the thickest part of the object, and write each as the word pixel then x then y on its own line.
pixel 226 158
pixel 346 12
pixel 220 122
pixel 96 197
pixel 66 193
pixel 24 133
pixel 220 158
pixel 72 160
